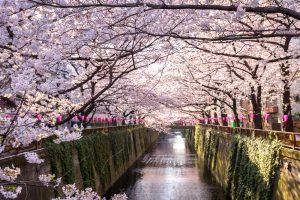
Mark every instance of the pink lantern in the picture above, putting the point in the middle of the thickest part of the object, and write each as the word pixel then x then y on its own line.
pixel 285 118
pixel 241 118
pixel 82 118
pixel 252 116
pixel 59 118
pixel 39 117
pixel 266 116
pixel 75 118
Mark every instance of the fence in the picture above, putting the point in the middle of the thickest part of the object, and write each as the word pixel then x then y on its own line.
pixel 287 139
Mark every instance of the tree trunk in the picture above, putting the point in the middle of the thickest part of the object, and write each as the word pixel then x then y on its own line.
pixel 208 115
pixel 236 115
pixel 257 107
pixel 223 116
pixel 286 106
pixel 216 117
pixel 287 110
pixel 224 122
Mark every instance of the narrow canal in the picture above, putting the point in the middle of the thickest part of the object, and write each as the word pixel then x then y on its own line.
pixel 168 171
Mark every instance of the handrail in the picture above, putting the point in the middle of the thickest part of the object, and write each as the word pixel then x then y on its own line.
pixel 288 139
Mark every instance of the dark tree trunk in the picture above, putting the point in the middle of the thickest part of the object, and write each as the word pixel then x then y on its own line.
pixel 208 117
pixel 236 115
pixel 257 107
pixel 216 117
pixel 286 106
pixel 287 109
pixel 224 121
pixel 223 116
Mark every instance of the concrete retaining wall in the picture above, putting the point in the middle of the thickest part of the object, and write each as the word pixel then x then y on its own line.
pixel 287 182
pixel 139 139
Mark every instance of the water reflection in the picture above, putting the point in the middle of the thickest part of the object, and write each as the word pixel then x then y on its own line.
pixel 169 171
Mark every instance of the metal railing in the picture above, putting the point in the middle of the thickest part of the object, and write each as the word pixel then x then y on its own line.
pixel 287 139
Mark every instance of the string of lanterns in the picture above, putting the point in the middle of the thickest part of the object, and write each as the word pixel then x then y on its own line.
pixel 226 119
pixel 59 118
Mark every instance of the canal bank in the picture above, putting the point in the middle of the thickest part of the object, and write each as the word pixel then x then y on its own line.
pixel 247 167
pixel 97 160
pixel 169 170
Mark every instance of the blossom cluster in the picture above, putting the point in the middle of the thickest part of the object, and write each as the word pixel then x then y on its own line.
pixel 67 135
pixel 72 193
pixel 10 192
pixel 10 174
pixel 32 157
pixel 49 180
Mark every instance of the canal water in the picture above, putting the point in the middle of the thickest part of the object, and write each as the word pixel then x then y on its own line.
pixel 168 171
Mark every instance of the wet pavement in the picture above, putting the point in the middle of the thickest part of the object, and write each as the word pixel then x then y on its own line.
pixel 168 171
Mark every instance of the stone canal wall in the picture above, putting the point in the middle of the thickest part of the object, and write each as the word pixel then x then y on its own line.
pixel 248 167
pixel 97 160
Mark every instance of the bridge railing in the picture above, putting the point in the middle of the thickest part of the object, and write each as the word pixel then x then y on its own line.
pixel 287 139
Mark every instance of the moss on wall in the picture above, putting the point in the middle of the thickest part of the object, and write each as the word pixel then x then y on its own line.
pixel 252 163
pixel 95 151
pixel 253 166
pixel 61 160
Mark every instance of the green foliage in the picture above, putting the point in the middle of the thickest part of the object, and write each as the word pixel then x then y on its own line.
pixel 94 153
pixel 121 147
pixel 61 155
pixel 86 158
pixel 252 162
pixel 252 168
pixel 10 188
pixel 197 138
pixel 210 147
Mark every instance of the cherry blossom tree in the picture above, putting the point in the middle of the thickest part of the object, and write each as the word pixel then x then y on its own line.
pixel 161 60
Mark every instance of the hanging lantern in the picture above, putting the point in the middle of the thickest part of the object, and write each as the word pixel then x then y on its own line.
pixel 241 118
pixel 59 118
pixel 39 117
pixel 266 116
pixel 285 118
